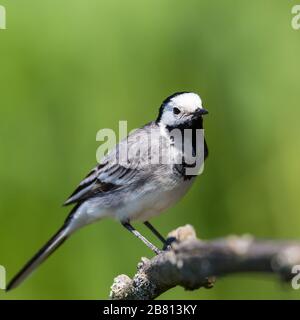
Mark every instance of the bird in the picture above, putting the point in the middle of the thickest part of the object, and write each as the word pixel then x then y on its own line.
pixel 134 189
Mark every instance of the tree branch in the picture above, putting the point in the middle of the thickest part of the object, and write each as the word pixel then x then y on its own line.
pixel 193 263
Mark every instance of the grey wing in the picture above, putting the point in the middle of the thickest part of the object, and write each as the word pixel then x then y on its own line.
pixel 101 180
pixel 110 175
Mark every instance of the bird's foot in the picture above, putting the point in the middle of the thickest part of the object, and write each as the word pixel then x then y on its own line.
pixel 168 243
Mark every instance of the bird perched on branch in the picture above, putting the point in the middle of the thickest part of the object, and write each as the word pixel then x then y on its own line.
pixel 151 177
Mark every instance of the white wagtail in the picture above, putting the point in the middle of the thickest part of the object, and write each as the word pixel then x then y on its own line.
pixel 135 189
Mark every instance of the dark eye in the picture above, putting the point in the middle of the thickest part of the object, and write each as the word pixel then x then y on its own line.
pixel 176 110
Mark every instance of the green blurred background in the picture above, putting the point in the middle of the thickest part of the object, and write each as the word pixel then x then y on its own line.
pixel 69 68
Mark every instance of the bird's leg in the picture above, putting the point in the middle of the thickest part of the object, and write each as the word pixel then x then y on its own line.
pixel 166 242
pixel 129 227
pixel 159 236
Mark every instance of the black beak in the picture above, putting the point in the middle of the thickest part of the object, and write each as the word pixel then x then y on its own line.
pixel 200 112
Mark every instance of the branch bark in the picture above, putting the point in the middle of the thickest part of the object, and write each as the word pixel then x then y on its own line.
pixel 193 263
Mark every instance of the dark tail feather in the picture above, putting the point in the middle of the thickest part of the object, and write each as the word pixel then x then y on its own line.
pixel 40 257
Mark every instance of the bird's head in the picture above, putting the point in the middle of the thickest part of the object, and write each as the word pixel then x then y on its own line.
pixel 180 110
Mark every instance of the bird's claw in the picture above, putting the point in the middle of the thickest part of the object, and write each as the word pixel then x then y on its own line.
pixel 168 244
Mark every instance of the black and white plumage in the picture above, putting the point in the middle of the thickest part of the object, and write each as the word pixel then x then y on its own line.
pixel 135 189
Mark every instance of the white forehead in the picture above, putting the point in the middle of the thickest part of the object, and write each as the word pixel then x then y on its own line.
pixel 188 101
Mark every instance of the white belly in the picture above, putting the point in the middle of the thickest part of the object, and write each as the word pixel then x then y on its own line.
pixel 152 204
pixel 136 207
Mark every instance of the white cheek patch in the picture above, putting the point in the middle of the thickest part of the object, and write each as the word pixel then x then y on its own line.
pixel 168 117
